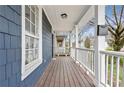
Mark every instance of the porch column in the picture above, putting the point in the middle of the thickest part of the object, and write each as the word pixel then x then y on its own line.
pixel 55 44
pixel 70 37
pixel 63 43
pixel 99 44
pixel 76 42
pixel 76 34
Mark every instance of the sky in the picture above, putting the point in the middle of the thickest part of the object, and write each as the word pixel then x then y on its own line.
pixel 108 9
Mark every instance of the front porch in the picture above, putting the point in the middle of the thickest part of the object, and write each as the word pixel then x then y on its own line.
pixel 64 72
pixel 57 46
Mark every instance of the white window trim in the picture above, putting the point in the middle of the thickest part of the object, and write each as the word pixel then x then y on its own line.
pixel 28 69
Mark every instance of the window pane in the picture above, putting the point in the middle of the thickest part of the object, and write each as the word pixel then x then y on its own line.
pixel 27 12
pixel 27 42
pixel 32 29
pixel 37 43
pixel 37 10
pixel 37 25
pixel 33 8
pixel 31 42
pixel 27 25
pixel 32 17
pixel 34 57
pixel 36 32
pixel 37 20
pixel 27 57
pixel 31 55
pixel 36 53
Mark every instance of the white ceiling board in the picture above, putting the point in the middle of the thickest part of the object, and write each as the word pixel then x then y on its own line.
pixel 74 12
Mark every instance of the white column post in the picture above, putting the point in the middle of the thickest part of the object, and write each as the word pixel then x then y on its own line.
pixel 70 47
pixel 64 44
pixel 70 39
pixel 76 33
pixel 99 44
pixel 55 44
pixel 76 42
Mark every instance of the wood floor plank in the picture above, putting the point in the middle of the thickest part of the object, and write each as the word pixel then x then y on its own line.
pixel 66 82
pixel 86 77
pixel 52 82
pixel 73 74
pixel 48 79
pixel 81 74
pixel 47 71
pixel 57 81
pixel 61 73
pixel 64 72
pixel 71 80
pixel 77 74
pixel 42 78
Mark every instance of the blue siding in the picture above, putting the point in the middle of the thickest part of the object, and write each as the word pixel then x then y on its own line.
pixel 10 50
pixel 1 40
pixel 7 41
pixel 46 38
pixel 2 57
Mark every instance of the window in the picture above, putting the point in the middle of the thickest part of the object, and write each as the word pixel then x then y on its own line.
pixel 30 39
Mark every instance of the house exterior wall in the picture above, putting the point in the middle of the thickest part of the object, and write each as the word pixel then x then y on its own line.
pixel 10 50
pixel 46 38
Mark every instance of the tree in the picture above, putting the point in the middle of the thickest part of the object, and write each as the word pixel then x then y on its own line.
pixel 87 42
pixel 116 28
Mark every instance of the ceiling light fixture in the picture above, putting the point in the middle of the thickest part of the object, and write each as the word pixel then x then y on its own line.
pixel 64 15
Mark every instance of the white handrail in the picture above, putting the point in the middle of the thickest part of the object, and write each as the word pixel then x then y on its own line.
pixel 114 53
pixel 86 49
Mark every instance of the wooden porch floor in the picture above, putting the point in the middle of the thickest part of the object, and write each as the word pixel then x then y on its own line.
pixel 63 72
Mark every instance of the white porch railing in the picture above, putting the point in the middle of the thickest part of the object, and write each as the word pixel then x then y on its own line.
pixel 112 68
pixel 72 52
pixel 85 57
pixel 62 51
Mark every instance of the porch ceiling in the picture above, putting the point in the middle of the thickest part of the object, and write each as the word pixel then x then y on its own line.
pixel 74 13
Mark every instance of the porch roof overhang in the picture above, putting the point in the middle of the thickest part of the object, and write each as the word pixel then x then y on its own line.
pixel 74 15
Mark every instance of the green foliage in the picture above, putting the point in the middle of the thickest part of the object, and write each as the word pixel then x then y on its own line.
pixel 87 42
pixel 109 48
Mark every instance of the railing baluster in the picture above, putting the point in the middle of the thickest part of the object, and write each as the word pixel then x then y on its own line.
pixel 111 76
pixel 92 61
pixel 106 70
pixel 100 68
pixel 123 73
pixel 117 75
pixel 87 59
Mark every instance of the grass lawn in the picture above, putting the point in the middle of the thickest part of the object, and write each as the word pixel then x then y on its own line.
pixel 114 73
